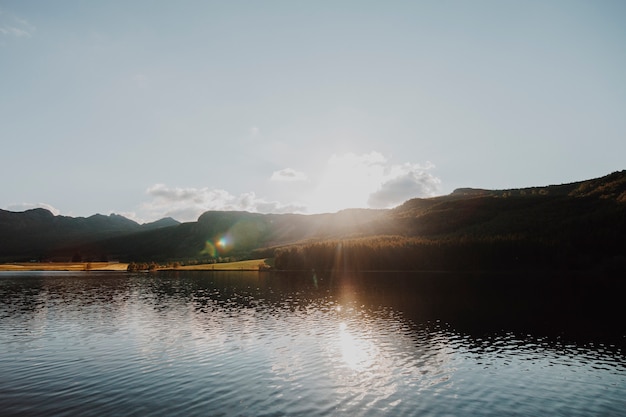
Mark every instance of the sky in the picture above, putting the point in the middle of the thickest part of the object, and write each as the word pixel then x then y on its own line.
pixel 159 108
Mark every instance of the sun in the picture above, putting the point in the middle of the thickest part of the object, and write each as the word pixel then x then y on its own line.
pixel 347 182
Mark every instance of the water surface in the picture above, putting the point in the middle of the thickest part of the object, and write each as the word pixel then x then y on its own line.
pixel 260 344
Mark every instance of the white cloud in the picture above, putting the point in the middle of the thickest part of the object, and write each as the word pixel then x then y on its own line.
pixel 408 181
pixel 370 180
pixel 349 181
pixel 288 174
pixel 187 204
pixel 30 206
pixel 254 131
pixel 15 27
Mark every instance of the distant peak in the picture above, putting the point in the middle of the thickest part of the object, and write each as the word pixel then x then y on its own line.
pixel 470 191
pixel 164 222
pixel 40 212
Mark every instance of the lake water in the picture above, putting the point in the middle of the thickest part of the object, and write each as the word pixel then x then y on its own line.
pixel 269 344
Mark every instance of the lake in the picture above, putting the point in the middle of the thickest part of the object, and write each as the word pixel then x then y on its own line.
pixel 307 344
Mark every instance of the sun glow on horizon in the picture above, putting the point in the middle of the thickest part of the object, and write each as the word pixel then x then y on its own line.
pixel 347 182
pixel 369 180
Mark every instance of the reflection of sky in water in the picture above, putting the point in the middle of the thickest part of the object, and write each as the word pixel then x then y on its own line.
pixel 346 354
pixel 249 344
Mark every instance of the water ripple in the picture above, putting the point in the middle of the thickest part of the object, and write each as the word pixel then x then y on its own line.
pixel 242 344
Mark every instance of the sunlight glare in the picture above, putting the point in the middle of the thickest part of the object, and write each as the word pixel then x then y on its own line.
pixel 348 182
pixel 357 353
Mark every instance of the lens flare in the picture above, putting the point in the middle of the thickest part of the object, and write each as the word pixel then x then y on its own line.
pixel 224 243
pixel 209 249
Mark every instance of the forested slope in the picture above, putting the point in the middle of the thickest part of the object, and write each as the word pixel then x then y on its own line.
pixel 570 226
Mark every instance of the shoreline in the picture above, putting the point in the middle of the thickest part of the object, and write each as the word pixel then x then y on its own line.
pixel 64 266
pixel 250 266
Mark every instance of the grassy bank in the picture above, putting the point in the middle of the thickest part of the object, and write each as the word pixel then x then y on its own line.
pixel 64 266
pixel 250 265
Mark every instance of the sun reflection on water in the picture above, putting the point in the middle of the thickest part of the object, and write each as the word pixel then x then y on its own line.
pixel 361 371
pixel 357 353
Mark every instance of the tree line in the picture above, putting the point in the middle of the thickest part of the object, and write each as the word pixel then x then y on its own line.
pixel 463 253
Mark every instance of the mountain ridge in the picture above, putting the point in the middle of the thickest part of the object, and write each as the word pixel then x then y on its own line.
pixel 570 218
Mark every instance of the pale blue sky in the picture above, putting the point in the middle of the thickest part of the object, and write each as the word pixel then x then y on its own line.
pixel 155 108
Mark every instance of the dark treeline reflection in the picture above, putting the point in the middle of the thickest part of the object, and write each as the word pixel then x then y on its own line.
pixel 579 308
pixel 574 307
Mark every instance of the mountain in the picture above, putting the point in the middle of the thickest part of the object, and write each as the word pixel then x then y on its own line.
pixel 589 207
pixel 164 222
pixel 592 207
pixel 38 234
pixel 574 225
pixel 579 225
pixel 236 234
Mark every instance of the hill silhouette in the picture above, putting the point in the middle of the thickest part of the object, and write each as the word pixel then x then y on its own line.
pixel 37 234
pixel 569 226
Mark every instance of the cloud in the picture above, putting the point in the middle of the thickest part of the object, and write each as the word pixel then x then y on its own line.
pixel 30 206
pixel 370 180
pixel 349 181
pixel 187 204
pixel 15 27
pixel 254 131
pixel 289 175
pixel 408 181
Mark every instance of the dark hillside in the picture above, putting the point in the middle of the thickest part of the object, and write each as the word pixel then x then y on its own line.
pixel 220 234
pixel 570 226
pixel 593 206
pixel 164 222
pixel 38 234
